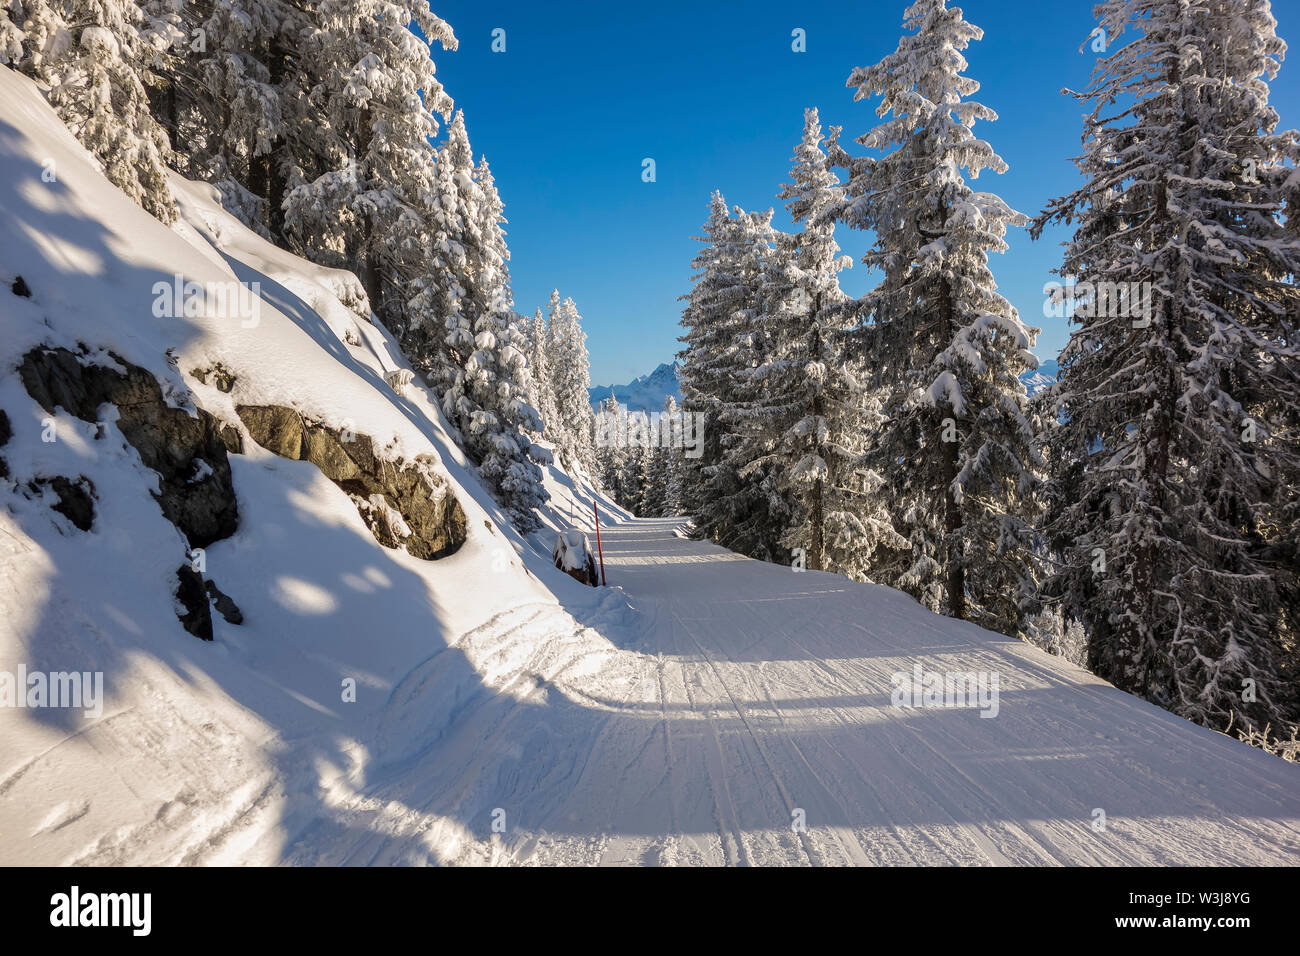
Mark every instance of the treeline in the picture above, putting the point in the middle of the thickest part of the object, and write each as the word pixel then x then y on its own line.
pixel 316 120
pixel 639 457
pixel 1144 510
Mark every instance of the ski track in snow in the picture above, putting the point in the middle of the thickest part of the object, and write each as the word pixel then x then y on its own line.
pixel 688 731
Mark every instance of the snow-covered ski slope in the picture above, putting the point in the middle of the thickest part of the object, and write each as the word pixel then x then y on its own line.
pixel 691 713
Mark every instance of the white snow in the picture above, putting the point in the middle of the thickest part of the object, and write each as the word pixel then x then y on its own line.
pixel 681 715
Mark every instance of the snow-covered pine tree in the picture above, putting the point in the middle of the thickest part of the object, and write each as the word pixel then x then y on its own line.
pixel 541 390
pixel 233 100
pixel 631 482
pixel 610 453
pixel 500 418
pixel 746 509
pixel 674 458
pixel 706 321
pixel 570 376
pixel 436 328
pixel 656 481
pixel 167 29
pixel 726 289
pixel 521 334
pixel 459 197
pixel 92 60
pixel 958 447
pixel 1172 501
pixel 812 407
pixel 365 185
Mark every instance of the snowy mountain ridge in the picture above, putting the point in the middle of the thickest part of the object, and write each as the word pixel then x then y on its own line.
pixel 1040 378
pixel 644 393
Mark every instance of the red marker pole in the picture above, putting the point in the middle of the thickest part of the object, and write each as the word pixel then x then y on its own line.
pixel 598 547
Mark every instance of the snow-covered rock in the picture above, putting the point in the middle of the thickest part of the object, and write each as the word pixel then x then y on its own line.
pixel 398 379
pixel 572 555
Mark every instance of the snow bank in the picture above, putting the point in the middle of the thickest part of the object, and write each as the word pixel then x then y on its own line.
pixel 222 751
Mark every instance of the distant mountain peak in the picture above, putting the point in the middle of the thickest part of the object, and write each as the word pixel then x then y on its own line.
pixel 645 392
pixel 1040 378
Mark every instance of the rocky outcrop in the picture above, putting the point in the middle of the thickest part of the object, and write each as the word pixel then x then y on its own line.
pixel 194 613
pixel 189 453
pixel 76 498
pixel 5 433
pixel 223 379
pixel 225 606
pixel 196 492
pixel 404 503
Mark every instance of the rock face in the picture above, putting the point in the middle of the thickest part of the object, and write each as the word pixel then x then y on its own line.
pixel 76 498
pixel 225 606
pixel 223 379
pixel 5 433
pixel 189 453
pixel 195 614
pixel 196 492
pixel 404 503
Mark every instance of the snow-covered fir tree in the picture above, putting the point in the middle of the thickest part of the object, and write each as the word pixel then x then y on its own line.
pixel 723 343
pixel 674 460
pixel 488 389
pixel 569 371
pixel 746 488
pixel 632 482
pixel 365 184
pixel 436 328
pixel 93 61
pixel 541 390
pixel 957 449
pixel 655 461
pixel 610 453
pixel 707 321
pixel 1172 501
pixel 812 408
pixel 245 124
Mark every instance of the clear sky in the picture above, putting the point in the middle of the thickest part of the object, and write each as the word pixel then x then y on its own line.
pixel 713 92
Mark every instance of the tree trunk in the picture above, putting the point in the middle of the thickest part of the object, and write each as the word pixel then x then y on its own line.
pixel 276 182
pixel 952 522
pixel 818 521
pixel 817 518
pixel 369 269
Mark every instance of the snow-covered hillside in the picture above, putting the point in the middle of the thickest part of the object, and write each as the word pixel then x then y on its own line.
pixel 204 750
pixel 376 707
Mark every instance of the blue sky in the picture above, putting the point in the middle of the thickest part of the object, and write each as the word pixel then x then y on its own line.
pixel 715 95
